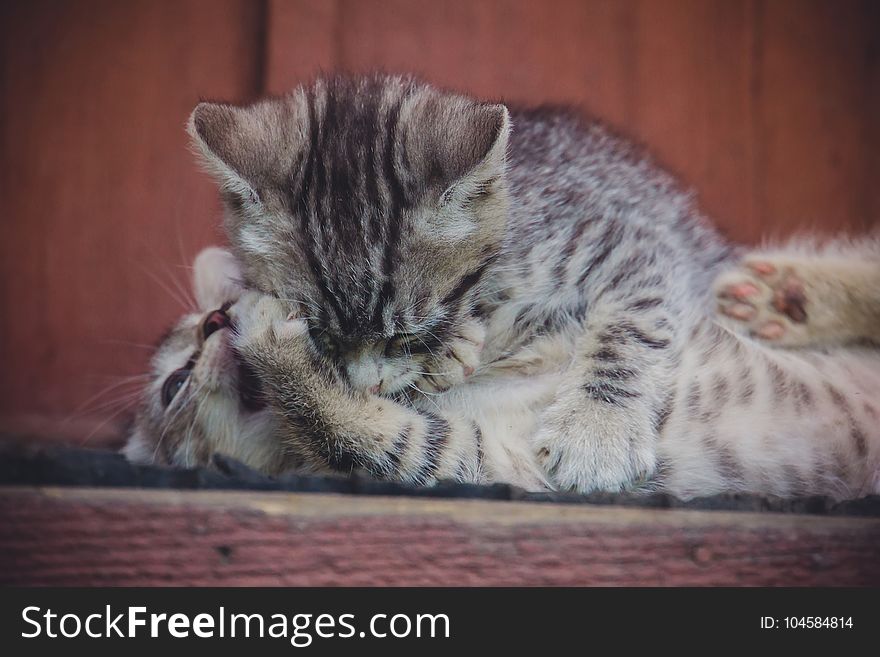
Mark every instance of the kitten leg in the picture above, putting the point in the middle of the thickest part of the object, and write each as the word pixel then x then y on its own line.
pixel 795 301
pixel 601 430
pixel 333 425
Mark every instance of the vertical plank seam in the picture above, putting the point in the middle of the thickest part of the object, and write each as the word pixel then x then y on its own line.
pixel 261 47
pixel 871 116
pixel 756 148
pixel 338 38
pixel 630 14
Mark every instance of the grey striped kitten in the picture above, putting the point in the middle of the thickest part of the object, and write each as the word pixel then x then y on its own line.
pixel 448 289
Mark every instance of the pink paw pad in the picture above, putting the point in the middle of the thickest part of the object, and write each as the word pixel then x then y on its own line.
pixel 762 268
pixel 740 291
pixel 771 331
pixel 742 311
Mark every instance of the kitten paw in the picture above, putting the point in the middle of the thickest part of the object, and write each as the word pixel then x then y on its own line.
pixel 459 360
pixel 766 299
pixel 583 454
pixel 264 322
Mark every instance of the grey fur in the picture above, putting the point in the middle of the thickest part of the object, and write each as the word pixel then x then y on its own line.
pixel 390 219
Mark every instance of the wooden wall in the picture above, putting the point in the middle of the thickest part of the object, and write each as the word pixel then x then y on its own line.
pixel 769 109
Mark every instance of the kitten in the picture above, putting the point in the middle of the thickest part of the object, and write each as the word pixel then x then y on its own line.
pixel 802 295
pixel 201 398
pixel 379 216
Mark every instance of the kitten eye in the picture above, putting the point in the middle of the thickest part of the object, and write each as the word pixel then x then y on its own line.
pixel 397 344
pixel 173 384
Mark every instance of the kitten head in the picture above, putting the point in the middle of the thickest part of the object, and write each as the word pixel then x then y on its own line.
pixel 200 398
pixel 376 203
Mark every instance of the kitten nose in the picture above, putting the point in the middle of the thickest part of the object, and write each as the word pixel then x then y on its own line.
pixel 214 322
pixel 374 390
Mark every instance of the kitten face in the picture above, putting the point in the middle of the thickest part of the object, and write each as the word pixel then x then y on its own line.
pixel 377 204
pixel 200 399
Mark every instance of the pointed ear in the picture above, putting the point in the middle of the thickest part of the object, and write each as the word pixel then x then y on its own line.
pixel 248 148
pixel 460 151
pixel 488 157
pixel 216 278
pixel 218 133
pixel 461 142
pixel 490 126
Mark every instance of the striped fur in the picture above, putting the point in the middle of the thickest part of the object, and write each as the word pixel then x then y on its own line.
pixel 557 282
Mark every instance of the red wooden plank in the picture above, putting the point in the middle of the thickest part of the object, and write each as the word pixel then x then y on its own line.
pixel 813 113
pixel 872 112
pixel 130 537
pixel 764 109
pixel 768 109
pixel 100 188
pixel 690 81
pixel 301 40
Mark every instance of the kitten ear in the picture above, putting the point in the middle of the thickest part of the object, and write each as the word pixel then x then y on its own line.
pixel 247 148
pixel 486 158
pixel 463 149
pixel 490 130
pixel 461 142
pixel 219 133
pixel 216 278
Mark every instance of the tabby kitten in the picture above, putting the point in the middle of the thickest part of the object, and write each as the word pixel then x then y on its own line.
pixel 383 220
pixel 184 420
pixel 201 398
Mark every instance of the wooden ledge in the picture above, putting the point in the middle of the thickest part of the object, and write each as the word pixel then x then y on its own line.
pixel 110 536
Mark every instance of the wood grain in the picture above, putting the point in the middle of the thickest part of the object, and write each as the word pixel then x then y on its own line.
pixel 140 538
pixel 769 109
pixel 101 194
pixel 813 114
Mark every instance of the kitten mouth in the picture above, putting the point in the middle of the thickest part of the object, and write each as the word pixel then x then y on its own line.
pixel 250 391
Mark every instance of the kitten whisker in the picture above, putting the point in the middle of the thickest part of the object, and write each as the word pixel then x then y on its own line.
pixel 175 296
pixel 138 345
pixel 84 406
pixel 184 292
pixel 187 441
pixel 427 395
pixel 101 425
pixel 308 304
pixel 125 399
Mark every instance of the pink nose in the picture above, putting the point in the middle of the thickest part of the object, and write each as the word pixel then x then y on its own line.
pixel 374 390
